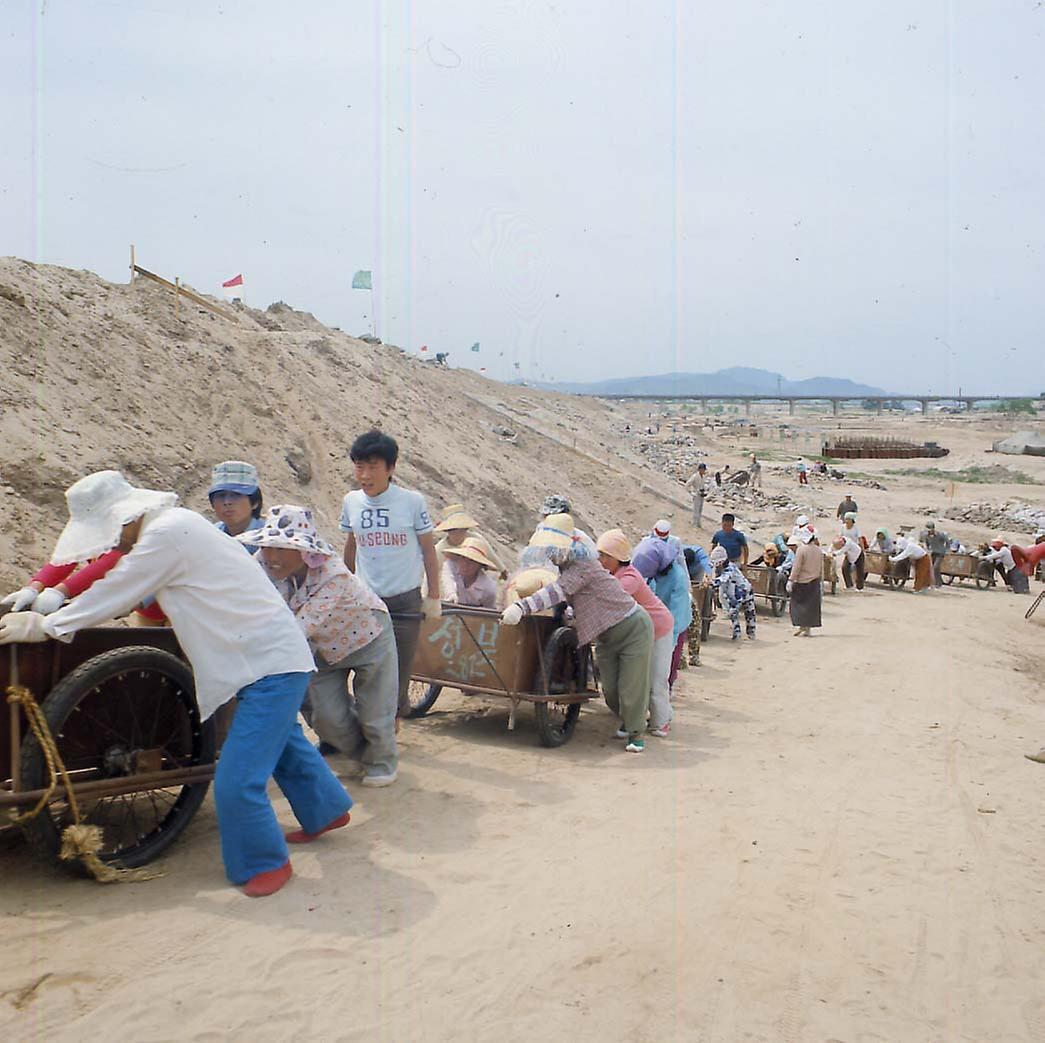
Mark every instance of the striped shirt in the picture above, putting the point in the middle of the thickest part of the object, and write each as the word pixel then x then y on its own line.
pixel 597 599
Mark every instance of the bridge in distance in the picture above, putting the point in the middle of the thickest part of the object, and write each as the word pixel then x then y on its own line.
pixel 879 400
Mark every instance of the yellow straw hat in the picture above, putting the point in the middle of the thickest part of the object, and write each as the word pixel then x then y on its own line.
pixel 555 531
pixel 456 517
pixel 529 581
pixel 473 550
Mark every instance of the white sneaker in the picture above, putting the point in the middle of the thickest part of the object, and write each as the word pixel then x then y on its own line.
pixel 662 731
pixel 622 733
pixel 380 780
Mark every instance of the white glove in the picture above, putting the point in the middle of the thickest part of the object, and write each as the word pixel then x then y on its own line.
pixel 22 627
pixel 21 599
pixel 50 600
pixel 431 608
pixel 512 615
pixel 790 586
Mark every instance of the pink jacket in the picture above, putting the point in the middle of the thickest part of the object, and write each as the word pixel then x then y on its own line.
pixel 631 580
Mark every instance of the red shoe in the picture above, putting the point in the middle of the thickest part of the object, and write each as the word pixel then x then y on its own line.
pixel 299 836
pixel 269 882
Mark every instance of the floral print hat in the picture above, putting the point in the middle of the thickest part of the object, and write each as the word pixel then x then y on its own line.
pixel 291 528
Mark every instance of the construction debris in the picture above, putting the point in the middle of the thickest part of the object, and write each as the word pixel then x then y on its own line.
pixel 1011 516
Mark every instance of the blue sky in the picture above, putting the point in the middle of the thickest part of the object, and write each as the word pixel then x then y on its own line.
pixel 590 190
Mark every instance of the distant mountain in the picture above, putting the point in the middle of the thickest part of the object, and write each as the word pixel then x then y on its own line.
pixel 738 380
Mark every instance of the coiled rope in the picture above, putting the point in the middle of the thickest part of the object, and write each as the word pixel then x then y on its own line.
pixel 79 841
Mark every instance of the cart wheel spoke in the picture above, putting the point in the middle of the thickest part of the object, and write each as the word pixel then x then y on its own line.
pixel 101 717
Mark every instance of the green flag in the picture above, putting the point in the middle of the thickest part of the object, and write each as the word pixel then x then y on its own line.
pixel 475 346
pixel 362 280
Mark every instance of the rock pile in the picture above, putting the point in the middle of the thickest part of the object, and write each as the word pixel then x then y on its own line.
pixel 1010 516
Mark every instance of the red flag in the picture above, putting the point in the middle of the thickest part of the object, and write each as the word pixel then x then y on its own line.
pixel 424 347
pixel 482 369
pixel 235 281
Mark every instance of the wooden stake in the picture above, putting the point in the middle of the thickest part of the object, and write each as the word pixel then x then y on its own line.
pixel 177 296
pixel 132 262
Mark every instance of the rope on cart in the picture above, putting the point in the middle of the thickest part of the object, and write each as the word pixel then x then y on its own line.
pixel 78 840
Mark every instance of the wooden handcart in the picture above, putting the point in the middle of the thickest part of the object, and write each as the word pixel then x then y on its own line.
pixel 830 573
pixel 536 662
pixel 967 566
pixel 120 705
pixel 768 585
pixel 891 573
pixel 703 617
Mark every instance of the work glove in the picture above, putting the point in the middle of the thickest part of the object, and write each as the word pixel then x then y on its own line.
pixel 431 608
pixel 21 599
pixel 790 586
pixel 512 615
pixel 50 600
pixel 22 627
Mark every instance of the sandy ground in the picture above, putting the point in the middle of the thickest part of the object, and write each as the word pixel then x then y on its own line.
pixel 840 841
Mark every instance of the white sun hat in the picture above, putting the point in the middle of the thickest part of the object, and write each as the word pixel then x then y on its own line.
pixel 288 527
pixel 100 505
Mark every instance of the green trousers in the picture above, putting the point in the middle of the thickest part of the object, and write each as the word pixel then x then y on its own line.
pixel 624 667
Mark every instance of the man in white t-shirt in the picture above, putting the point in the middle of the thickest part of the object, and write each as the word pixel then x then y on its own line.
pixel 389 544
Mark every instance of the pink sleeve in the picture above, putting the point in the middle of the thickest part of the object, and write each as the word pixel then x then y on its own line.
pixel 52 575
pixel 80 580
pixel 630 582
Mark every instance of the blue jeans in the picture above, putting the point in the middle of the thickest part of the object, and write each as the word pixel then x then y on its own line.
pixel 265 741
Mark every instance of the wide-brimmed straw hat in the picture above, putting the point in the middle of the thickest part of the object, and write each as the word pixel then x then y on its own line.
pixel 100 505
pixel 718 556
pixel 529 581
pixel 555 531
pixel 456 517
pixel 288 527
pixel 233 476
pixel 615 544
pixel 473 550
pixel 662 528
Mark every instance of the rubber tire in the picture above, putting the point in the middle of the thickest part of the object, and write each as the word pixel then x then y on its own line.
pixel 901 582
pixel 42 833
pixel 948 579
pixel 562 641
pixel 984 581
pixel 419 709
pixel 777 596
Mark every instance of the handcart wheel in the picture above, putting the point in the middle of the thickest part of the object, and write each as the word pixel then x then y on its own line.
pixel 565 670
pixel 777 595
pixel 984 578
pixel 707 613
pixel 900 581
pixel 948 579
pixel 129 711
pixel 422 698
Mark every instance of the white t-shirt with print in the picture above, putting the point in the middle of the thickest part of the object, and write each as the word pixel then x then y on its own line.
pixel 386 527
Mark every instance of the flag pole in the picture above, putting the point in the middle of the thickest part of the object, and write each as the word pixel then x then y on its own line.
pixel 373 317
